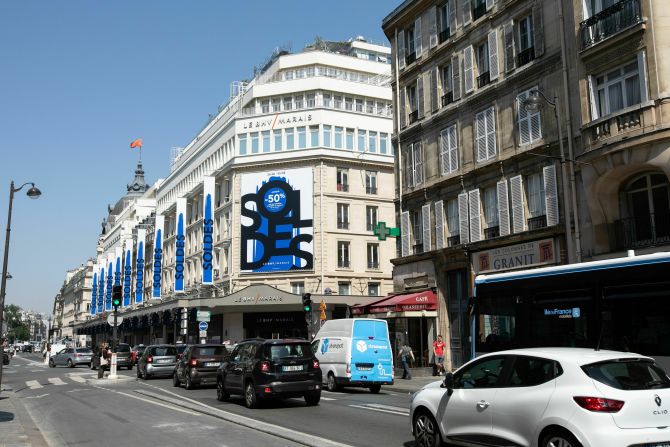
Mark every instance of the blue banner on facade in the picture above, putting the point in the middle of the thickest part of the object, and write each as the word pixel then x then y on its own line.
pixel 180 245
pixel 94 290
pixel 110 281
pixel 209 185
pixel 101 286
pixel 139 266
pixel 127 272
pixel 158 257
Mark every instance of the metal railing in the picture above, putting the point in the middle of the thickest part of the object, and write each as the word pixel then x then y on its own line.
pixel 371 190
pixel 525 56
pixel 444 35
pixel 610 21
pixel 373 265
pixel 447 98
pixel 491 232
pixel 344 187
pixel 343 263
pixel 483 79
pixel 452 241
pixel 342 225
pixel 410 58
pixel 535 223
pixel 478 11
pixel 413 117
pixel 643 231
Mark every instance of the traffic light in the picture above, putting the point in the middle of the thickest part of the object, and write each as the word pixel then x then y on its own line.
pixel 307 302
pixel 117 293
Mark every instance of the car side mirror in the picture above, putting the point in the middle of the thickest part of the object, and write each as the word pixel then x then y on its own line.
pixel 448 382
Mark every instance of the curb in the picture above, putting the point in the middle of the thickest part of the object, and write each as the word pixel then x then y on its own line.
pixel 108 381
pixel 274 430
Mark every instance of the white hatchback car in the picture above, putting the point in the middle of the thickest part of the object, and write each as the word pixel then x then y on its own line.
pixel 547 397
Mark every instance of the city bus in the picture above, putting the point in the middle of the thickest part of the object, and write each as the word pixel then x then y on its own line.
pixel 621 304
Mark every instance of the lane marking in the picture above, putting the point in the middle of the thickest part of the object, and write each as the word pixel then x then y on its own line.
pixel 327 398
pixel 37 397
pixel 153 402
pixel 79 379
pixel 381 410
pixel 33 384
pixel 389 407
pixel 76 390
pixel 56 381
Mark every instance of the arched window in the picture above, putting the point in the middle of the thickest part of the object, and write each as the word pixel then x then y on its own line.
pixel 645 210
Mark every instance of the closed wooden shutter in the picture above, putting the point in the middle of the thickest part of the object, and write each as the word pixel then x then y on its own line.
pixel 503 208
pixel 475 206
pixel 434 82
pixel 439 225
pixel 425 227
pixel 409 166
pixel 538 28
pixel 518 214
pixel 551 195
pixel 493 55
pixel 592 99
pixel 456 77
pixel 445 164
pixel 463 213
pixel 404 234
pixel 480 136
pixel 401 109
pixel 401 49
pixel 453 149
pixel 419 95
pixel 467 12
pixel 509 46
pixel 490 132
pixel 468 73
pixel 433 27
pixel 523 121
pixel 452 16
pixel 418 41
pixel 418 163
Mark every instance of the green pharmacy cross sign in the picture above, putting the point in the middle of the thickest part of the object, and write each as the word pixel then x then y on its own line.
pixel 382 231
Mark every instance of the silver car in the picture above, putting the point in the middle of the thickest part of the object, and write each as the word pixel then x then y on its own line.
pixel 157 360
pixel 71 357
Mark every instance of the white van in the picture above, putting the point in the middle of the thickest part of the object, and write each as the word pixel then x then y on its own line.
pixel 354 352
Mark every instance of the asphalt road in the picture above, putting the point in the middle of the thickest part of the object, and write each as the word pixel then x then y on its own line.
pixel 72 408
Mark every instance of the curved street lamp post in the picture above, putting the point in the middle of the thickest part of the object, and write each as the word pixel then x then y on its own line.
pixel 33 193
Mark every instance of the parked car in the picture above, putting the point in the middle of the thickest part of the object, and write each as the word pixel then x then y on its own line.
pixel 157 360
pixel 71 357
pixel 136 352
pixel 198 364
pixel 27 348
pixel 546 397
pixel 260 368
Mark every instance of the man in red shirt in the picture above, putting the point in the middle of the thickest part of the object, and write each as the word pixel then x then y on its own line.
pixel 438 352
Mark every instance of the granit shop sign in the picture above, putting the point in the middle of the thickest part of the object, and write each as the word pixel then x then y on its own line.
pixel 513 257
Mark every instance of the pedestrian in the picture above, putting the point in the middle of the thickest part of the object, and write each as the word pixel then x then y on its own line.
pixel 47 353
pixel 103 360
pixel 406 355
pixel 438 352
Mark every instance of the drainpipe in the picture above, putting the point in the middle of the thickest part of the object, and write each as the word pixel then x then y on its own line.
pixel 398 111
pixel 321 219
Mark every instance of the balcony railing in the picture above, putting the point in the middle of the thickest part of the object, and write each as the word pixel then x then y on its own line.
pixel 343 225
pixel 491 232
pixel 410 58
pixel 478 11
pixel 371 190
pixel 444 35
pixel 643 231
pixel 525 56
pixel 452 241
pixel 610 21
pixel 483 79
pixel 447 98
pixel 418 248
pixel 342 187
pixel 535 223
pixel 413 117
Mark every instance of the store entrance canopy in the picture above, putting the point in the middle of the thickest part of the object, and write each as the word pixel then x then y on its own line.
pixel 426 300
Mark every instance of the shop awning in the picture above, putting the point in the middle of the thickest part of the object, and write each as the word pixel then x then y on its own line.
pixel 426 300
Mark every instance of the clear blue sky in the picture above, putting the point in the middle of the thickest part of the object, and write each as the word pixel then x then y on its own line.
pixel 81 79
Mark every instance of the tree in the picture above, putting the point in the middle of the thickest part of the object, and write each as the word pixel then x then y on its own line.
pixel 18 333
pixel 12 316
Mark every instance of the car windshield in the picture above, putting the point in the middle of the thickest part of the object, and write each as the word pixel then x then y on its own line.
pixel 123 348
pixel 628 374
pixel 276 352
pixel 209 350
pixel 84 351
pixel 163 350
pixel 181 348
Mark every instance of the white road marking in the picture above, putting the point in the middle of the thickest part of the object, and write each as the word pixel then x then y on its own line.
pixel 389 407
pixel 327 398
pixel 193 413
pixel 381 410
pixel 79 379
pixel 76 390
pixel 37 397
pixel 56 381
pixel 33 384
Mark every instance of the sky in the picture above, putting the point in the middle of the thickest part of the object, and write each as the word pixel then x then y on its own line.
pixel 79 80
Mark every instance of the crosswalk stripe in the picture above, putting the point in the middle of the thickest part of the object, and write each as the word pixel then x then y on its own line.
pixel 33 384
pixel 56 381
pixel 382 410
pixel 79 379
pixel 327 398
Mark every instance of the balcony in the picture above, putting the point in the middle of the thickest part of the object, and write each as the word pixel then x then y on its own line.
pixel 491 232
pixel 344 187
pixel 483 79
pixel 478 11
pixel 444 35
pixel 643 231
pixel 343 225
pixel 618 125
pixel 447 98
pixel 610 21
pixel 410 58
pixel 371 190
pixel 413 117
pixel 453 241
pixel 525 56
pixel 535 223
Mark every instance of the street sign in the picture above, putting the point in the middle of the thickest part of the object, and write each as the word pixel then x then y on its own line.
pixel 203 334
pixel 110 319
pixel 203 326
pixel 203 315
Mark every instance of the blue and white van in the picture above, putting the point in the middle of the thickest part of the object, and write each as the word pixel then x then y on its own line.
pixel 354 352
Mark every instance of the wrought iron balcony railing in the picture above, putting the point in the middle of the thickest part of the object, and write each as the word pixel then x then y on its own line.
pixel 444 35
pixel 643 231
pixel 525 56
pixel 478 11
pixel 414 117
pixel 610 21
pixel 491 232
pixel 410 58
pixel 452 241
pixel 535 223
pixel 483 79
pixel 447 98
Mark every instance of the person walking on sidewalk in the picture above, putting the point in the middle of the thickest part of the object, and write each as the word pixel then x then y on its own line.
pixel 104 359
pixel 438 352
pixel 406 355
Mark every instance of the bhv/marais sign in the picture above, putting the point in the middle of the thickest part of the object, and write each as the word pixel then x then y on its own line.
pixel 514 257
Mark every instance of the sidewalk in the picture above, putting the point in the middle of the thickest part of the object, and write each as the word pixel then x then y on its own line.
pixel 420 378
pixel 16 427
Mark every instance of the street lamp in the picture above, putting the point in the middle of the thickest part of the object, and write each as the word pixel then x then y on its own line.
pixel 33 193
pixel 533 103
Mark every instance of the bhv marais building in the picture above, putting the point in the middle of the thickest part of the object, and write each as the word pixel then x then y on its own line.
pixel 277 196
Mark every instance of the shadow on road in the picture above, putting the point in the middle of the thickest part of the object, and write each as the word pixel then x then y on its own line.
pixel 5 416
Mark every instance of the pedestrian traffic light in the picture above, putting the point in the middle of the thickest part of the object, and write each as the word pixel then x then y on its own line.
pixel 117 293
pixel 307 302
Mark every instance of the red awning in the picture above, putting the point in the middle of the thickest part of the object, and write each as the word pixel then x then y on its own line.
pixel 426 300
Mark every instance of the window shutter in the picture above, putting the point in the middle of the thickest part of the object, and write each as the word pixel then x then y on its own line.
pixel 409 166
pixel 550 195
pixel 503 208
pixel 489 4
pixel 455 77
pixel 475 216
pixel 592 99
pixel 467 12
pixel 490 132
pixel 453 149
pixel 535 123
pixel 509 46
pixel 404 230
pixel 418 37
pixel 493 55
pixel 425 224
pixel 401 109
pixel 433 27
pixel 444 152
pixel 642 70
pixel 401 49
pixel 434 82
pixel 463 217
pixel 419 94
pixel 439 225
pixel 518 215
pixel 468 74
pixel 480 135
pixel 452 17
pixel 539 31
pixel 524 123
pixel 418 163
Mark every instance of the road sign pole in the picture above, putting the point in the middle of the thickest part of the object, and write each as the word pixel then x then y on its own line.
pixel 112 367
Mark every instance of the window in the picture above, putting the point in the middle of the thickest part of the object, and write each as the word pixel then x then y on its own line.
pixel 371 217
pixel 359 104
pixel 409 44
pixel 277 134
pixel 350 139
pixel 343 254
pixel 314 136
pixel 413 165
pixel 372 141
pixel 302 137
pixel 526 42
pixel 265 106
pixel 491 211
pixel 326 100
pixel 483 68
pixel 343 288
pixel 618 88
pixel 452 219
pixel 276 105
pixel 290 138
pixel 337 101
pixel 482 374
pixel 342 216
pixel 417 230
pixel 478 8
pixel 326 135
pixel 371 182
pixel 383 142
pixel 298 102
pixel 266 140
pixel 288 103
pixel 448 150
pixel 381 108
pixel 530 128
pixel 338 137
pixel 254 142
pixel 242 142
pixel 413 102
pixel 645 205
pixel 535 196
pixel 369 106
pixel 443 22
pixel 373 289
pixel 447 84
pixel 373 256
pixel 342 179
pixel 348 104
pixel 298 287
pixel 531 371
pixel 311 102
pixel 361 140
pixel 485 134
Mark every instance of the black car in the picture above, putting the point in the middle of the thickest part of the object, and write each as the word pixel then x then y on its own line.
pixel 197 365
pixel 260 369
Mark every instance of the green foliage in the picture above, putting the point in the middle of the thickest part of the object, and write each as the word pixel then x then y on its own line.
pixel 19 333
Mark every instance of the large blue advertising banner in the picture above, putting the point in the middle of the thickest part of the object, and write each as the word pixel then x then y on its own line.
pixel 94 290
pixel 139 265
pixel 209 185
pixel 277 229
pixel 110 280
pixel 101 284
pixel 127 271
pixel 180 245
pixel 158 258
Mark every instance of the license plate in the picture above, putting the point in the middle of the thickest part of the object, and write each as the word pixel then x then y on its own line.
pixel 163 361
pixel 292 368
pixel 212 363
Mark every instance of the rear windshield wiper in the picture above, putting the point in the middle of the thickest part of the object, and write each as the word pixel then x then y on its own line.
pixel 655 383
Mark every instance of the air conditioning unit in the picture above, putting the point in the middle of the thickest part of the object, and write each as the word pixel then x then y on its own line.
pixel 216 273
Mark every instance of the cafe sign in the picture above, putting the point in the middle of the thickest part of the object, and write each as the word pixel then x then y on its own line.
pixel 514 257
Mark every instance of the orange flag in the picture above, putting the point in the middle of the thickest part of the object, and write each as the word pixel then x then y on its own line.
pixel 136 143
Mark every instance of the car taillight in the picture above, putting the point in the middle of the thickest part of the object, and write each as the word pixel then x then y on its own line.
pixel 599 404
pixel 348 368
pixel 315 364
pixel 265 367
pixel 193 362
pixel 150 359
pixel 178 356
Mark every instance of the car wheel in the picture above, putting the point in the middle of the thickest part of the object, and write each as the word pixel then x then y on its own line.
pixel 69 363
pixel 426 432
pixel 250 397
pixel 331 383
pixel 51 364
pixel 175 380
pixel 189 382
pixel 221 393
pixel 374 389
pixel 559 438
pixel 313 398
